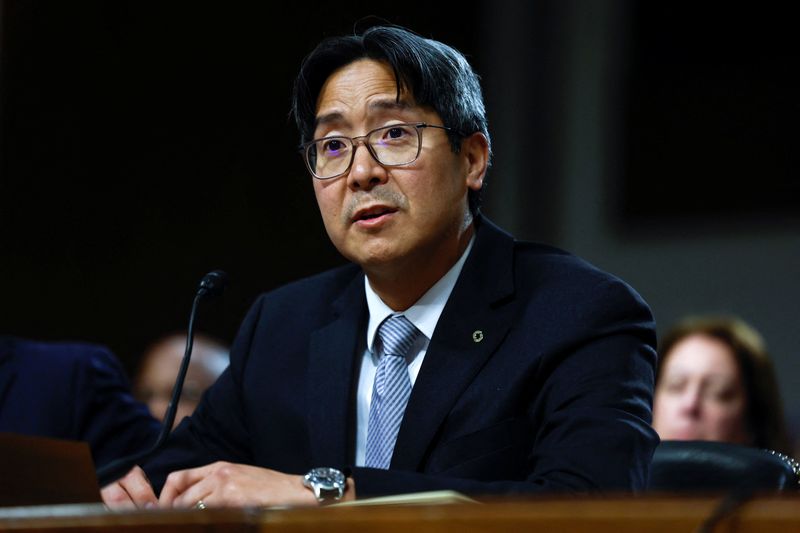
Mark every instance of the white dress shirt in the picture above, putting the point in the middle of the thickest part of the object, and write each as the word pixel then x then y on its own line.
pixel 424 314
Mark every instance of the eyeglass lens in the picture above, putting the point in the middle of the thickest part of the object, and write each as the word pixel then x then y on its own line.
pixel 397 144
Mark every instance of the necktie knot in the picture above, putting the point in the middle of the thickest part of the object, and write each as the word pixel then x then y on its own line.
pixel 397 335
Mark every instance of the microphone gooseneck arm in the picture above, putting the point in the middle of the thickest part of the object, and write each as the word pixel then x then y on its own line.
pixel 211 285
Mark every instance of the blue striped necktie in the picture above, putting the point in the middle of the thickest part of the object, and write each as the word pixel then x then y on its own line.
pixel 391 390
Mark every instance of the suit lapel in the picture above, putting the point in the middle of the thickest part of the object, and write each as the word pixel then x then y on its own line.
pixel 332 352
pixel 474 322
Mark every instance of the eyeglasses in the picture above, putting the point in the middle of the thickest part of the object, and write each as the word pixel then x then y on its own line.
pixel 391 146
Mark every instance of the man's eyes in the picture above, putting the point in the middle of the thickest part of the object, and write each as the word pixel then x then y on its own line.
pixel 333 146
pixel 396 133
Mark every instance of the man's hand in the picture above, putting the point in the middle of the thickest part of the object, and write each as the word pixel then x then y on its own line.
pixel 130 492
pixel 224 484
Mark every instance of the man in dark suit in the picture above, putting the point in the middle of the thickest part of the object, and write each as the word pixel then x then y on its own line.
pixel 448 356
pixel 72 391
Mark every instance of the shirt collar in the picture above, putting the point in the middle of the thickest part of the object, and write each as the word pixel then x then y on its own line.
pixel 425 312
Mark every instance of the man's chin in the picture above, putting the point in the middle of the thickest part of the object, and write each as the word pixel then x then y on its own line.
pixel 371 250
pixel 376 261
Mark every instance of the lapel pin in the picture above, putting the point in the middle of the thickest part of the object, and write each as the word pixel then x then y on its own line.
pixel 477 335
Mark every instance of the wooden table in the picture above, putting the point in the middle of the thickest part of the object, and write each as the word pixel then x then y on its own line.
pixel 595 515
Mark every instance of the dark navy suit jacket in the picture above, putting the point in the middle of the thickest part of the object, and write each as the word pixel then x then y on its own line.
pixel 71 391
pixel 538 377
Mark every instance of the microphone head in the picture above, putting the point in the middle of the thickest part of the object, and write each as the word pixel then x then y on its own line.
pixel 213 283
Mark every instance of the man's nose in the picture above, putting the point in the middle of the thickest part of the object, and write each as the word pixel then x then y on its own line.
pixel 365 172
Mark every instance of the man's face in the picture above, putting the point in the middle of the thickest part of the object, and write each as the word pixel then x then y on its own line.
pixel 401 216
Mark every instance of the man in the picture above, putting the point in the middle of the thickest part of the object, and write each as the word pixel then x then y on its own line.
pixel 159 368
pixel 72 391
pixel 448 356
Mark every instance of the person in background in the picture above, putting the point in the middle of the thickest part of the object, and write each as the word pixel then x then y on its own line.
pixel 73 391
pixel 715 381
pixel 159 368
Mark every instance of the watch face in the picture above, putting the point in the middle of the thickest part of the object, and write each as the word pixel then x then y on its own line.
pixel 325 478
pixel 327 483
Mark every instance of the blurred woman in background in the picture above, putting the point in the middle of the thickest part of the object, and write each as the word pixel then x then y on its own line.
pixel 715 381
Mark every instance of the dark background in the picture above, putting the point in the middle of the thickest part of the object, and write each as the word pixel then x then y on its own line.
pixel 146 143
pixel 713 111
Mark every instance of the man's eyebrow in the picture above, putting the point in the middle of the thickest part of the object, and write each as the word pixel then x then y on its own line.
pixel 328 118
pixel 390 105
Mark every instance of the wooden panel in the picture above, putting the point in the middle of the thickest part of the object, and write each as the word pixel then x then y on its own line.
pixel 595 515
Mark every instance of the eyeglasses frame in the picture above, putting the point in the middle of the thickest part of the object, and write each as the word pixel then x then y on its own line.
pixel 362 139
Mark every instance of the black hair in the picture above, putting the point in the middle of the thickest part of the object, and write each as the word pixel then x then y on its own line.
pixel 435 74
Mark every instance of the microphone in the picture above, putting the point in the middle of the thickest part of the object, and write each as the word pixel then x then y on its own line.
pixel 211 285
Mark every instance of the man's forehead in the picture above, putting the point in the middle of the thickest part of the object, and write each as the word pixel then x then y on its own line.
pixel 364 84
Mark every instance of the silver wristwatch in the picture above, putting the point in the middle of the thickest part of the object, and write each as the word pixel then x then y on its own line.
pixel 328 484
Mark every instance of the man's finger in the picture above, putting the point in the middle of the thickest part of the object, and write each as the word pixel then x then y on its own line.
pixel 115 497
pixel 138 488
pixel 203 491
pixel 179 482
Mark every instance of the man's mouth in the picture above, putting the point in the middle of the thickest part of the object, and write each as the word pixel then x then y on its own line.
pixel 373 212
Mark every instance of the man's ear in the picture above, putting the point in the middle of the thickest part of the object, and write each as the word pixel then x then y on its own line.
pixel 475 150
